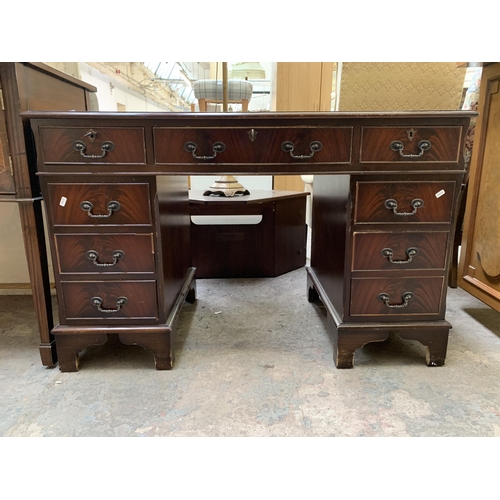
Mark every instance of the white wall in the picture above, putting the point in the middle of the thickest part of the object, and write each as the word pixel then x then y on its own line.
pixel 13 263
pixel 13 266
pixel 110 92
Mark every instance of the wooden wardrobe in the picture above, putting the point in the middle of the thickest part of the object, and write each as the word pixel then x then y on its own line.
pixel 479 266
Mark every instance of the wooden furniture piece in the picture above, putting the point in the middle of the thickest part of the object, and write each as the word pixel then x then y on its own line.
pixel 258 235
pixel 33 86
pixel 384 209
pixel 304 86
pixel 301 86
pixel 479 266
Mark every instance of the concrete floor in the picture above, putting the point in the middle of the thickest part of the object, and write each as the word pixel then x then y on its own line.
pixel 254 358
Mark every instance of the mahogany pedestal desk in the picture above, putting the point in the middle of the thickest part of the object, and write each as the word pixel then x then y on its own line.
pixel 384 211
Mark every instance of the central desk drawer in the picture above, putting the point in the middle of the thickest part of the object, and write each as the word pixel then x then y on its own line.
pixel 404 202
pixel 249 145
pixel 99 204
pixel 396 296
pixel 415 144
pixel 399 251
pixel 110 300
pixel 105 253
pixel 90 145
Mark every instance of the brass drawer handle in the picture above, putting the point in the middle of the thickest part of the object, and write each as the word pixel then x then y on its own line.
pixel 393 205
pixel 120 302
pixel 388 253
pixel 106 147
pixel 191 147
pixel 87 206
pixel 93 256
pixel 314 147
pixel 384 297
pixel 422 145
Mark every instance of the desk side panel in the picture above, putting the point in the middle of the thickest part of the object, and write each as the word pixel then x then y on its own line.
pixel 330 218
pixel 173 206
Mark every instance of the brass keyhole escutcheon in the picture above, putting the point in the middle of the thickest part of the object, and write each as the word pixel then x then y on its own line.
pixel 411 134
pixel 91 134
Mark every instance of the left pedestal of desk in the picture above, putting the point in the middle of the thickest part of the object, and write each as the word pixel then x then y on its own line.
pixel 118 269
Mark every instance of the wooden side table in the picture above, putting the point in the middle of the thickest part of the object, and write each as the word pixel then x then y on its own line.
pixel 259 235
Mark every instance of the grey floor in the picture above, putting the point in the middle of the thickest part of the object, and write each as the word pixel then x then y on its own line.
pixel 254 358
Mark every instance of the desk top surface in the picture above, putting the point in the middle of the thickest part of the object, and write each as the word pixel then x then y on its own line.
pixel 251 116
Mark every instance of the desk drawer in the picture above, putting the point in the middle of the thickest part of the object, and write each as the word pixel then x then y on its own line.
pixel 110 300
pixel 402 144
pixel 399 251
pixel 94 145
pixel 105 253
pixel 99 204
pixel 404 202
pixel 248 145
pixel 386 296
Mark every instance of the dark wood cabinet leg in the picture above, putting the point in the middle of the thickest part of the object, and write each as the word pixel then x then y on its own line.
pixel 159 343
pixel 436 341
pixel 36 255
pixel 347 339
pixel 69 346
pixel 343 354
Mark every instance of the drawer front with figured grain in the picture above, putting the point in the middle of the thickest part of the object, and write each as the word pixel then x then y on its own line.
pixel 404 202
pixel 110 300
pixel 105 253
pixel 410 144
pixel 249 145
pixel 396 296
pixel 93 145
pixel 99 204
pixel 399 251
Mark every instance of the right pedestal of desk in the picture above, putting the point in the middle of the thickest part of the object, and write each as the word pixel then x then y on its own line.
pixel 379 259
